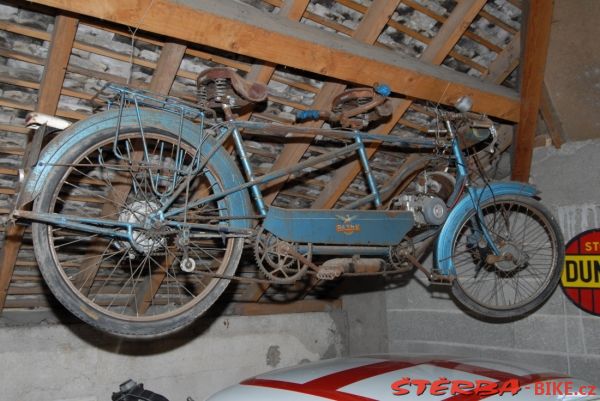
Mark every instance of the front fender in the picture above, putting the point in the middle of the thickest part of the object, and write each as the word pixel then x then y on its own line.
pixel 466 205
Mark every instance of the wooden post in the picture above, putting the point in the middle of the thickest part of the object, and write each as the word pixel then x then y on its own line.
pixel 61 44
pixel 535 49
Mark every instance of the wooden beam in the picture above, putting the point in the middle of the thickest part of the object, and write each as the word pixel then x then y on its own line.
pixel 49 94
pixel 302 306
pixel 551 118
pixel 456 24
pixel 162 80
pixel 506 61
pixel 61 44
pixel 535 49
pixel 263 72
pixel 168 64
pixel 244 30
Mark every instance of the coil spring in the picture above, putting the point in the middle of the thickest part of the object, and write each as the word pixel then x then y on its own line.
pixel 221 87
pixel 361 101
pixel 202 94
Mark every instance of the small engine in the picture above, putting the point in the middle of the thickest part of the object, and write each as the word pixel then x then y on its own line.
pixel 427 209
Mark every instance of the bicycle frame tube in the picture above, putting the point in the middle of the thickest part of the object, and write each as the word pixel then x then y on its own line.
pixel 253 183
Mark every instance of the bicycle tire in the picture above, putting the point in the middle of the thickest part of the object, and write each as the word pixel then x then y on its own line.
pixel 492 290
pixel 155 306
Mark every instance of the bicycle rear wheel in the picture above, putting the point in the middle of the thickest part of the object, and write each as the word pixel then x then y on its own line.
pixel 530 240
pixel 137 289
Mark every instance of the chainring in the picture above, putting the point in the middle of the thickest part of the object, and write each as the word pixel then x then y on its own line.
pixel 275 264
pixel 398 262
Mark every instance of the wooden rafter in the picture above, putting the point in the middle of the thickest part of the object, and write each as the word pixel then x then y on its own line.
pixel 367 31
pixel 245 30
pixel 162 80
pixel 551 118
pixel 168 64
pixel 506 61
pixel 61 44
pixel 534 51
pixel 262 72
pixel 435 53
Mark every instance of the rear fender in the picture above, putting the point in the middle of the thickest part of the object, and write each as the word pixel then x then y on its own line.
pixel 191 133
pixel 443 248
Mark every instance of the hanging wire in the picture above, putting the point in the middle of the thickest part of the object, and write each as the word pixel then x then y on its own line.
pixel 133 33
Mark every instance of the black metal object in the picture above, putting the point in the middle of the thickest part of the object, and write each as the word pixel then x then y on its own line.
pixel 132 391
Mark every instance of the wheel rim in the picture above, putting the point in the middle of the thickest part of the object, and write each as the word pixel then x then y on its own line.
pixel 113 277
pixel 528 244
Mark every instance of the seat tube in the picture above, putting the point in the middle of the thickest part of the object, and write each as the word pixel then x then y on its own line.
pixel 364 161
pixel 244 160
pixel 255 189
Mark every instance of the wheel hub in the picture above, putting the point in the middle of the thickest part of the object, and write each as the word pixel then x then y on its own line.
pixel 511 257
pixel 139 212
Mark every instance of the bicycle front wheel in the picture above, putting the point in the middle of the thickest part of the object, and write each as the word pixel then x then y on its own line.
pixel 528 269
pixel 163 279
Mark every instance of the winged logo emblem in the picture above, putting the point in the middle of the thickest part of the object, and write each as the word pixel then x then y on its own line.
pixel 347 227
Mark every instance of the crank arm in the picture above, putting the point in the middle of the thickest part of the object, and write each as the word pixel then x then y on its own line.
pixel 323 273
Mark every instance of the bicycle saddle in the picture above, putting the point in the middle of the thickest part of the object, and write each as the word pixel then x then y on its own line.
pixel 354 108
pixel 220 85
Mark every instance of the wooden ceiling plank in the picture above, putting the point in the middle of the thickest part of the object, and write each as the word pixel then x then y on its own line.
pixel 354 6
pixel 426 41
pixel 535 49
pixel 53 76
pixel 248 31
pixel 458 21
pixel 14 129
pixel 4 52
pixel 336 26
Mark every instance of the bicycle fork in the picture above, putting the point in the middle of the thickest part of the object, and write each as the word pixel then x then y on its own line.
pixel 461 167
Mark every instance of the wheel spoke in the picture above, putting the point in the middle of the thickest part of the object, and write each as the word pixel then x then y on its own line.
pixel 521 230
pixel 139 282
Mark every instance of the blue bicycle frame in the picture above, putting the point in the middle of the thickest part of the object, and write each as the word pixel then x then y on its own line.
pixel 341 231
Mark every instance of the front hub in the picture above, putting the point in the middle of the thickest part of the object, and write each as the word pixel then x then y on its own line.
pixel 511 257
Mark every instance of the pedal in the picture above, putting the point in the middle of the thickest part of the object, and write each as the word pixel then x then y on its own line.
pixel 440 279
